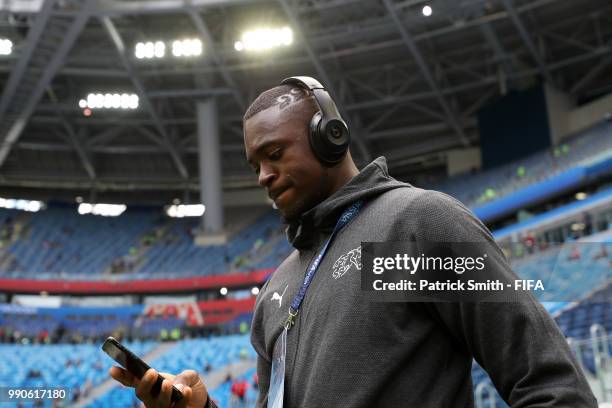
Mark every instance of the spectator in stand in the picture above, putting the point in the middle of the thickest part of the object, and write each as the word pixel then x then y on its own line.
pixel 529 241
pixel 228 262
pixel 603 252
pixel 43 336
pixel 163 334
pixel 575 254
pixel 8 334
pixel 32 373
pixel 76 394
pixel 587 219
pixel 175 334
pixel 87 387
pixel 239 390
pixel 258 243
pixel 59 333
pixel 16 336
pixel 255 382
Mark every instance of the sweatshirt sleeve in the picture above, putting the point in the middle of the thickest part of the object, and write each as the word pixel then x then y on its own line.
pixel 517 343
pixel 264 369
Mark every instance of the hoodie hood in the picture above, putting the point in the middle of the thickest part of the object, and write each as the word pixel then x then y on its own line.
pixel 371 181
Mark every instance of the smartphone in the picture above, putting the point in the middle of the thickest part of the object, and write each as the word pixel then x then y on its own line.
pixel 135 365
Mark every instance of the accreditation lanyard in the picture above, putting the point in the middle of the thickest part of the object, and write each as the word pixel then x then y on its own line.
pixel 277 381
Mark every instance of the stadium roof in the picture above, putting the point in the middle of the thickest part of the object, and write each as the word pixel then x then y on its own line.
pixel 408 85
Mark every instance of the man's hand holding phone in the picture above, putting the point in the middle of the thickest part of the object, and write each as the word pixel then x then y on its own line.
pixel 188 382
pixel 164 390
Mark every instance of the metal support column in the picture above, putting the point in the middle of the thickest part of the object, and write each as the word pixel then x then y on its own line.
pixel 210 172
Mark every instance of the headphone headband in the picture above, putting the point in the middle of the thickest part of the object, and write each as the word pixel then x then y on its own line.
pixel 304 82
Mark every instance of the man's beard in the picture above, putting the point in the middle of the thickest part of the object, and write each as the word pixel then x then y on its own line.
pixel 303 205
pixel 296 212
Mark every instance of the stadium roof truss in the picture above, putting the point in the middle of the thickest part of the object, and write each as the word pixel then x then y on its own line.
pixel 409 85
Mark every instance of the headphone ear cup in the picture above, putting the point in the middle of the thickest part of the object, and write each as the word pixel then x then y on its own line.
pixel 329 139
pixel 316 144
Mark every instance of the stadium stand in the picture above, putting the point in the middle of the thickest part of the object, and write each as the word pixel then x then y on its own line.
pixel 569 271
pixel 56 243
pixel 589 147
pixel 94 324
pixel 174 253
pixel 585 324
pixel 73 367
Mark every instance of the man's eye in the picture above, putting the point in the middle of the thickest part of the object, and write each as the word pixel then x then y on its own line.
pixel 275 155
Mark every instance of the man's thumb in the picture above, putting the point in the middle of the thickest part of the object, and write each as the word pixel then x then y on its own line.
pixel 189 378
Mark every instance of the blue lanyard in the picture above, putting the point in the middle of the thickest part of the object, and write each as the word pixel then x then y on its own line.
pixel 345 218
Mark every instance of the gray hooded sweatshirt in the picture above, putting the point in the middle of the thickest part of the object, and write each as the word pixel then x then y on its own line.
pixel 347 351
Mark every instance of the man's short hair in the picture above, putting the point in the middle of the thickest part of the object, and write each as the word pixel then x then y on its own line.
pixel 282 96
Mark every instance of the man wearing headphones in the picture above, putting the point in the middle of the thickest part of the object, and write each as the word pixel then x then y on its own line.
pixel 320 340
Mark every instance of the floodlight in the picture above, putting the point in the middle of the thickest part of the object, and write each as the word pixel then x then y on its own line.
pixel 6 46
pixel 264 39
pixel 196 47
pixel 133 101
pixel 427 11
pixel 177 48
pixel 182 210
pixel 125 101
pixel 160 49
pixel 99 100
pixel 140 51
pixel 105 210
pixel 191 47
pixel 23 205
pixel 149 49
pixel 109 101
pixel 116 101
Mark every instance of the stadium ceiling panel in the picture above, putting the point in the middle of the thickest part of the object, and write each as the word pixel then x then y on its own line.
pixel 409 84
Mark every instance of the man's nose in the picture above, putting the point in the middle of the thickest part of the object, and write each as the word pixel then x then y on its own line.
pixel 266 176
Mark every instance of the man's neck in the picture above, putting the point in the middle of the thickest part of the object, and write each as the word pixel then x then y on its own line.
pixel 344 174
